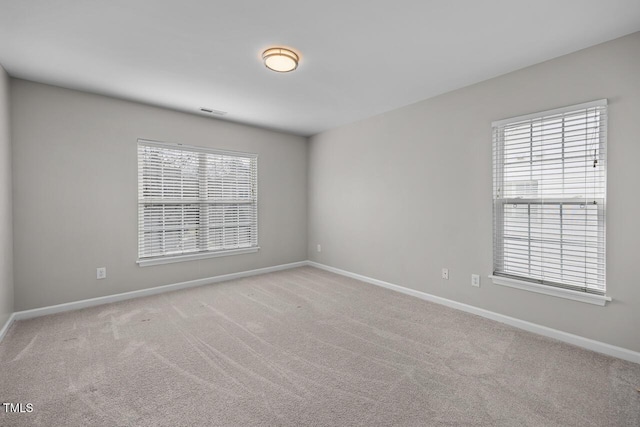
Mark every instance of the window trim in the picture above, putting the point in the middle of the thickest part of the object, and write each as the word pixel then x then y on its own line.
pixel 532 285
pixel 583 106
pixel 173 258
pixel 554 291
pixel 169 259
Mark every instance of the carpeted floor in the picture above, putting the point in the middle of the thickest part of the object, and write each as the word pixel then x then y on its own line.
pixel 302 347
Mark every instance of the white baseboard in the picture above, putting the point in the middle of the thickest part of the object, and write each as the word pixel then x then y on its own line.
pixel 7 325
pixel 597 346
pixel 76 305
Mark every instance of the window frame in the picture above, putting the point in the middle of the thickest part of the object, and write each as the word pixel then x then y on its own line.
pixel 204 203
pixel 547 287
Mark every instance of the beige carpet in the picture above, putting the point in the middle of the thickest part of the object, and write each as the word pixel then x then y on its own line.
pixel 302 347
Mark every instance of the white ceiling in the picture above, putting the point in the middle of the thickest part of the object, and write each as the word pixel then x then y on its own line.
pixel 358 57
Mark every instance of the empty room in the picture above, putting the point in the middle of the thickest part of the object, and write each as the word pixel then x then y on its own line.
pixel 337 213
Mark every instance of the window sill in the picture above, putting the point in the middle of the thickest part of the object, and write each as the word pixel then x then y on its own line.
pixel 192 257
pixel 550 290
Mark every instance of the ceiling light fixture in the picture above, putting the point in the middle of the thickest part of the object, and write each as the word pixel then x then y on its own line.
pixel 280 59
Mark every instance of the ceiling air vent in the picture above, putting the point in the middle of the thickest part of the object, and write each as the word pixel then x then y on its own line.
pixel 214 112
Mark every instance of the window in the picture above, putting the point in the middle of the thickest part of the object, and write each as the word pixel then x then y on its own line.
pixel 549 199
pixel 195 202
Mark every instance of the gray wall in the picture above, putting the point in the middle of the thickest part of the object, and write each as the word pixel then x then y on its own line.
pixel 75 193
pixel 6 227
pixel 399 196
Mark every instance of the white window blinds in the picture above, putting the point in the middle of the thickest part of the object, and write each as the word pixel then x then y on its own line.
pixel 549 194
pixel 195 200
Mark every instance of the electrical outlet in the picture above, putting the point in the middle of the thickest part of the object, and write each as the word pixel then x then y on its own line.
pixel 445 273
pixel 101 273
pixel 319 248
pixel 475 280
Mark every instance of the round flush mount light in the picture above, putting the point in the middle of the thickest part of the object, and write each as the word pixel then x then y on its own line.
pixel 280 59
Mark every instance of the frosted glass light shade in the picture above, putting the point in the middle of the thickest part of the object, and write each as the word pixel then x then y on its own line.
pixel 280 59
